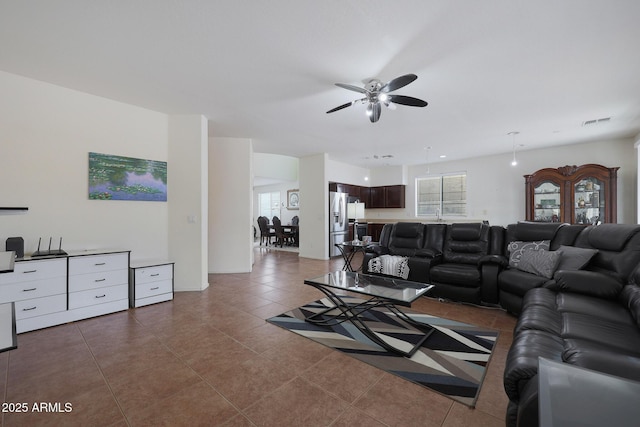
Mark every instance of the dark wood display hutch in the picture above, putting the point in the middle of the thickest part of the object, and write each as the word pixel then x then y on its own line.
pixel 584 194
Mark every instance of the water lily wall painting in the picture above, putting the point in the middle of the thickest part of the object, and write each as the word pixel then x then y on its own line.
pixel 126 178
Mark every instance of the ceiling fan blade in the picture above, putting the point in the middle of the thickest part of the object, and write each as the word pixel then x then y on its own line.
pixel 348 104
pixel 398 82
pixel 373 111
pixel 407 100
pixel 351 87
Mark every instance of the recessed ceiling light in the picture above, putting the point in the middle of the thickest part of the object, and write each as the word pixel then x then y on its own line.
pixel 442 156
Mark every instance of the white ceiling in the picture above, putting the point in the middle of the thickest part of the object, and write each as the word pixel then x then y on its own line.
pixel 266 69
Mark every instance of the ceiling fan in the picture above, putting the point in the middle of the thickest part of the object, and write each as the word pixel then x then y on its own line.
pixel 377 93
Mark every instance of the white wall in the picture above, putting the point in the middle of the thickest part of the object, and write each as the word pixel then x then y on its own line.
pixel 46 133
pixel 314 206
pixel 389 175
pixel 275 167
pixel 230 205
pixel 285 214
pixel 188 193
pixel 347 174
pixel 496 190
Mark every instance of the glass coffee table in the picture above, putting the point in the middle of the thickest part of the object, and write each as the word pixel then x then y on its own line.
pixel 385 292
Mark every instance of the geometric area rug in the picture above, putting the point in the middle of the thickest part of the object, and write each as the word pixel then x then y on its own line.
pixel 452 361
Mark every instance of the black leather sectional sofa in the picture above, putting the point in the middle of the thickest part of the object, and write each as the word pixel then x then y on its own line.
pixel 577 301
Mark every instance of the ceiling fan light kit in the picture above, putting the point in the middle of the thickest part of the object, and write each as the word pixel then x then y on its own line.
pixel 377 93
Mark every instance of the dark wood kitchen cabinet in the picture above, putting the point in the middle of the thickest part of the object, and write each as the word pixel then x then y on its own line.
pixel 388 196
pixel 376 198
pixel 394 196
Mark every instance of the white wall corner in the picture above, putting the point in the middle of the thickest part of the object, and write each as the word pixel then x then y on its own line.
pixel 187 173
pixel 230 237
pixel 314 206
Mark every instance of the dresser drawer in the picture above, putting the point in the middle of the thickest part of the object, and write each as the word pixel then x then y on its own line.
pixel 98 263
pixel 27 271
pixel 83 282
pixel 34 289
pixel 145 290
pixel 97 296
pixel 40 306
pixel 153 274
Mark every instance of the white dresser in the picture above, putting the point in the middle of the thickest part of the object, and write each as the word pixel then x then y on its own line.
pixel 39 290
pixel 150 282
pixel 53 291
pixel 98 284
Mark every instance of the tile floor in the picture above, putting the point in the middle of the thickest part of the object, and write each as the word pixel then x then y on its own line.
pixel 209 358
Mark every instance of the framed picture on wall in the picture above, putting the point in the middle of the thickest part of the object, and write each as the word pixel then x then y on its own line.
pixel 114 177
pixel 293 199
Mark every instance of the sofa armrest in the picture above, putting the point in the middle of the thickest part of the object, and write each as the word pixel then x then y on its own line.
pixel 584 282
pixel 377 249
pixel 368 256
pixel 522 359
pixel 489 288
pixel 500 260
pixel 428 253
pixel 528 404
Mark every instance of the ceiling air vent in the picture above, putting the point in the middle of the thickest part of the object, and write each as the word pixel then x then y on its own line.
pixel 596 121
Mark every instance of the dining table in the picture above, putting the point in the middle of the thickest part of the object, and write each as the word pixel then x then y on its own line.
pixel 291 228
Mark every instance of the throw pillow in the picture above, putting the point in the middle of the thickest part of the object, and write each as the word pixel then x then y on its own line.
pixel 575 258
pixel 517 247
pixel 541 263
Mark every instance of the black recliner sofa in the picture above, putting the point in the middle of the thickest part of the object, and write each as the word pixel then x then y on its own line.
pixel 409 239
pixel 457 258
pixel 588 317
pixel 466 271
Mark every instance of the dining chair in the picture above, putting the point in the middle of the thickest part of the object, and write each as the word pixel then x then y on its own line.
pixel 265 232
pixel 282 237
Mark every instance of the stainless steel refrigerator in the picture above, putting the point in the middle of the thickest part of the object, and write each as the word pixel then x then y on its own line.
pixel 338 221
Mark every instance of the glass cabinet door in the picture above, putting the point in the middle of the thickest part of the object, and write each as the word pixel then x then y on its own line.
pixel 589 201
pixel 547 202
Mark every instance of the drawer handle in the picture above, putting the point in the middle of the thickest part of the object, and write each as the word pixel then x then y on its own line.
pixel 30 271
pixel 100 263
pixel 29 309
pixel 156 274
pixel 29 290
pixel 101 296
pixel 155 289
pixel 100 280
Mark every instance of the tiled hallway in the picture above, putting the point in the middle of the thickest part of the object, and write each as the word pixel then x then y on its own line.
pixel 209 358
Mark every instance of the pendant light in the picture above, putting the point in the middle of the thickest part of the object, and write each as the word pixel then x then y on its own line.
pixel 513 134
pixel 428 150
